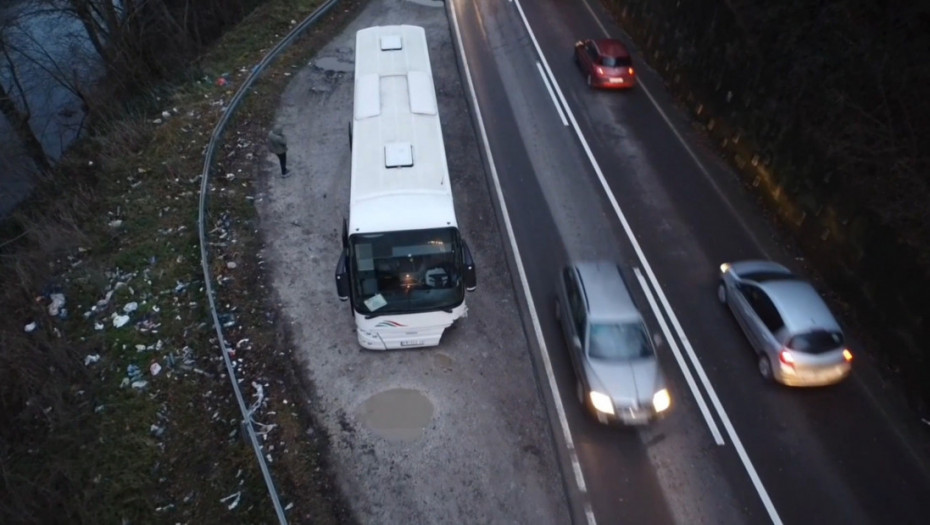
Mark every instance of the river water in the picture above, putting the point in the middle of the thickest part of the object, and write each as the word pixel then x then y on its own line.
pixel 48 49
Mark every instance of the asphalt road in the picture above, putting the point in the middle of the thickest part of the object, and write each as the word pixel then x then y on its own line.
pixel 623 176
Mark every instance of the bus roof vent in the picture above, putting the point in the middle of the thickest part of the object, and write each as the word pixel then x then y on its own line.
pixel 391 43
pixel 398 155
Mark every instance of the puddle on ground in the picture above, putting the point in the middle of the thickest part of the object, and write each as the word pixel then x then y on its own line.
pixel 335 64
pixel 400 414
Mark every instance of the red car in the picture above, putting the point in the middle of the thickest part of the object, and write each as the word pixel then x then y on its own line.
pixel 606 63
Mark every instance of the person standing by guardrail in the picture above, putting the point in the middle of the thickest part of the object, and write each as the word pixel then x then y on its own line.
pixel 278 145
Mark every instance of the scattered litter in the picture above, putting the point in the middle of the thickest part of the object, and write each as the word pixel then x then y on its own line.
pixel 264 429
pixel 259 397
pixel 117 223
pixel 98 326
pixel 235 500
pixel 289 506
pixel 133 372
pixel 231 265
pixel 139 384
pixel 165 114
pixel 155 368
pixel 148 325
pixel 227 320
pixel 141 348
pixel 58 303
pixel 131 307
pixel 120 320
pixel 926 421
pixel 156 430
pixel 91 358
pixel 106 300
pixel 29 328
pixel 164 507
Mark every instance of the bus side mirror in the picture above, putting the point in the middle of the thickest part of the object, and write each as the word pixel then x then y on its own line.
pixel 342 277
pixel 471 279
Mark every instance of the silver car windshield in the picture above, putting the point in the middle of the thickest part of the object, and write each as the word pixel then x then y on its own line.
pixel 816 342
pixel 618 342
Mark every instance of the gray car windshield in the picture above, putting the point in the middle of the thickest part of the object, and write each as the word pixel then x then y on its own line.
pixel 618 342
pixel 407 271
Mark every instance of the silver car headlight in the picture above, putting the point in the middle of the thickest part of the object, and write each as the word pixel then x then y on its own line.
pixel 661 400
pixel 602 403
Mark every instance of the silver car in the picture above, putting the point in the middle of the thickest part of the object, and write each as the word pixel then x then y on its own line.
pixel 617 374
pixel 797 340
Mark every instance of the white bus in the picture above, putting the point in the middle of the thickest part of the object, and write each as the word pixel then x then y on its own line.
pixel 404 265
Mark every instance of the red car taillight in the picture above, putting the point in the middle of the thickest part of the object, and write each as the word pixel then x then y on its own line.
pixel 785 357
pixel 630 71
pixel 600 71
pixel 847 355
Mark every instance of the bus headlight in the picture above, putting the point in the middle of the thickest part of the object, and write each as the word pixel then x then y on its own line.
pixel 602 403
pixel 661 400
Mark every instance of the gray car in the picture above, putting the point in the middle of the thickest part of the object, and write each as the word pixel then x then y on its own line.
pixel 617 374
pixel 797 340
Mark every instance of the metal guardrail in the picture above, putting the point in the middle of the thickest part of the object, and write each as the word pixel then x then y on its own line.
pixel 240 94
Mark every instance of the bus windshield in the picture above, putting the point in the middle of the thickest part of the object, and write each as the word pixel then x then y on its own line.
pixel 407 271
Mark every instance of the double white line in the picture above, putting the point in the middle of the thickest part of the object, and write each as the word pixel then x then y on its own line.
pixel 649 282
pixel 666 307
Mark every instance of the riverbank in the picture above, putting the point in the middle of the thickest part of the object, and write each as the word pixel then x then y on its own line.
pixel 116 394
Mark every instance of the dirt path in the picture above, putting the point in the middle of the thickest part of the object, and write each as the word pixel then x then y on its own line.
pixel 484 454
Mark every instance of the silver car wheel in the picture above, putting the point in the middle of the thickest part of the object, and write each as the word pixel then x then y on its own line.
pixel 765 367
pixel 722 292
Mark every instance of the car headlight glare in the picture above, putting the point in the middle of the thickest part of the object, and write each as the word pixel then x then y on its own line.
pixel 602 403
pixel 661 400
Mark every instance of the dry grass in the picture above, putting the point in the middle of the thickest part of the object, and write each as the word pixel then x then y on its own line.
pixel 114 231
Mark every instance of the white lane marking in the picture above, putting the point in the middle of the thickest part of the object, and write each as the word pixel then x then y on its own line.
pixel 610 196
pixel 737 444
pixel 708 417
pixel 857 379
pixel 687 148
pixel 537 329
pixel 551 94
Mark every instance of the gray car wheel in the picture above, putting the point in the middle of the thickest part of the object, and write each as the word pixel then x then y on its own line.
pixel 722 292
pixel 765 367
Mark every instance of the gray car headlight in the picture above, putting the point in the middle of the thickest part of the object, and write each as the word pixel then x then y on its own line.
pixel 602 403
pixel 661 400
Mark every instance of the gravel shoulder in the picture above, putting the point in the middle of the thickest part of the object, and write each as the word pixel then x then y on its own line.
pixel 484 453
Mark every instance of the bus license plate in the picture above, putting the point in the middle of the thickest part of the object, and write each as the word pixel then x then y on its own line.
pixel 411 342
